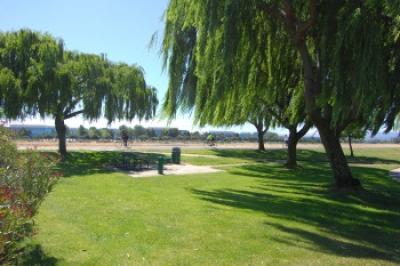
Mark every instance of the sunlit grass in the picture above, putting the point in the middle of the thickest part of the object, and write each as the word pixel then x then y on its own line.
pixel 253 214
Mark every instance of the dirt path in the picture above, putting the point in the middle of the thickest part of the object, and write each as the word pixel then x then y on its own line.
pixel 51 145
pixel 177 169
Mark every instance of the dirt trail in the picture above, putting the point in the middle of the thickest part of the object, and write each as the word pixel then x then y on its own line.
pixel 167 146
pixel 177 169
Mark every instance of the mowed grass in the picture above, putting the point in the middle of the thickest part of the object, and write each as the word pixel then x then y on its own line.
pixel 258 213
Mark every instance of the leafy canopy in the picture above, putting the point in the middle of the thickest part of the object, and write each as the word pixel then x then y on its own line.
pixel 38 76
pixel 220 54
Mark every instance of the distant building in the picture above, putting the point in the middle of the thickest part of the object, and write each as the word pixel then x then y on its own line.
pixel 34 130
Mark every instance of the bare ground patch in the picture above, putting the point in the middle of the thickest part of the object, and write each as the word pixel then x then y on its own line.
pixel 176 169
pixel 155 146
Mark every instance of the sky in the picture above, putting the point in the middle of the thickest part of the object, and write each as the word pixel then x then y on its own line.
pixel 122 29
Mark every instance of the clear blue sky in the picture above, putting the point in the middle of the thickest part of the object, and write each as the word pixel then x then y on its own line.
pixel 120 28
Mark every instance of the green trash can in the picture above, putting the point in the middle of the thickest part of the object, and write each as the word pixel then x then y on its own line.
pixel 176 155
pixel 160 167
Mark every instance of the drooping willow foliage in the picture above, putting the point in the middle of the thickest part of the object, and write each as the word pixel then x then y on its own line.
pixel 225 82
pixel 224 55
pixel 38 76
pixel 356 42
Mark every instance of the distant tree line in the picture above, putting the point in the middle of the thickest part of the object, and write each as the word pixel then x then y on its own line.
pixel 140 133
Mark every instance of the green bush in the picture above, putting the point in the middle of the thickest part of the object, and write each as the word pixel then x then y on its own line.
pixel 25 179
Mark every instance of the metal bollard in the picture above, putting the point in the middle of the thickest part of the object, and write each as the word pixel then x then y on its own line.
pixel 160 165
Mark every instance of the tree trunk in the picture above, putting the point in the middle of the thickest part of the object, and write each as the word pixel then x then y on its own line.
pixel 260 134
pixel 291 161
pixel 293 140
pixel 61 134
pixel 338 162
pixel 330 140
pixel 351 147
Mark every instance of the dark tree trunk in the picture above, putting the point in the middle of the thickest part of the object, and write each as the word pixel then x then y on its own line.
pixel 351 147
pixel 260 134
pixel 321 117
pixel 61 134
pixel 330 139
pixel 293 140
pixel 338 162
pixel 291 161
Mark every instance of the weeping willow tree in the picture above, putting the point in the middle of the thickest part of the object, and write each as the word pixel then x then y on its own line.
pixel 354 131
pixel 261 119
pixel 263 84
pixel 288 112
pixel 258 114
pixel 388 113
pixel 283 91
pixel 273 100
pixel 39 77
pixel 346 50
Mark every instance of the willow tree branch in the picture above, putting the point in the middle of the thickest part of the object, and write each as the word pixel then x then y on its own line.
pixel 68 116
pixel 72 105
pixel 290 18
pixel 304 27
pixel 304 130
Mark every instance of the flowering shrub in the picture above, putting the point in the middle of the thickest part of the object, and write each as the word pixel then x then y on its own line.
pixel 25 179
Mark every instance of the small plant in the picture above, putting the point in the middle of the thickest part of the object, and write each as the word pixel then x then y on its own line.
pixel 25 179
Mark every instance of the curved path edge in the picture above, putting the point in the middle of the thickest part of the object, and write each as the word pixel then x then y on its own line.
pixel 395 174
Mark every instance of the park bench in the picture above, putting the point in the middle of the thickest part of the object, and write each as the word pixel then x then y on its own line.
pixel 133 162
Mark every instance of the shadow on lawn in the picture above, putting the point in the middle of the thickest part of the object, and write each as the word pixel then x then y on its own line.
pixel 33 254
pixel 86 163
pixel 302 155
pixel 361 225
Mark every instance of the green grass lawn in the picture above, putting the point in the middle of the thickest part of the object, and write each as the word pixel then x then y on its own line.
pixel 258 213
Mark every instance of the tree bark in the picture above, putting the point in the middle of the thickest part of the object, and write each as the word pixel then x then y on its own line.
pixel 61 135
pixel 260 134
pixel 351 147
pixel 338 162
pixel 293 140
pixel 291 161
pixel 329 137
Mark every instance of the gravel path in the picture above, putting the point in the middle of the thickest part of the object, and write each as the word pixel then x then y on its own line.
pixel 177 169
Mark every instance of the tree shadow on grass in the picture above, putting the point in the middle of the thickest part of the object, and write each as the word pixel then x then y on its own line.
pixel 326 244
pixel 33 255
pixel 362 224
pixel 87 163
pixel 303 155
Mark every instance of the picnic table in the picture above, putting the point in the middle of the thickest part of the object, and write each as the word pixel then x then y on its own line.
pixel 130 161
pixel 133 162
